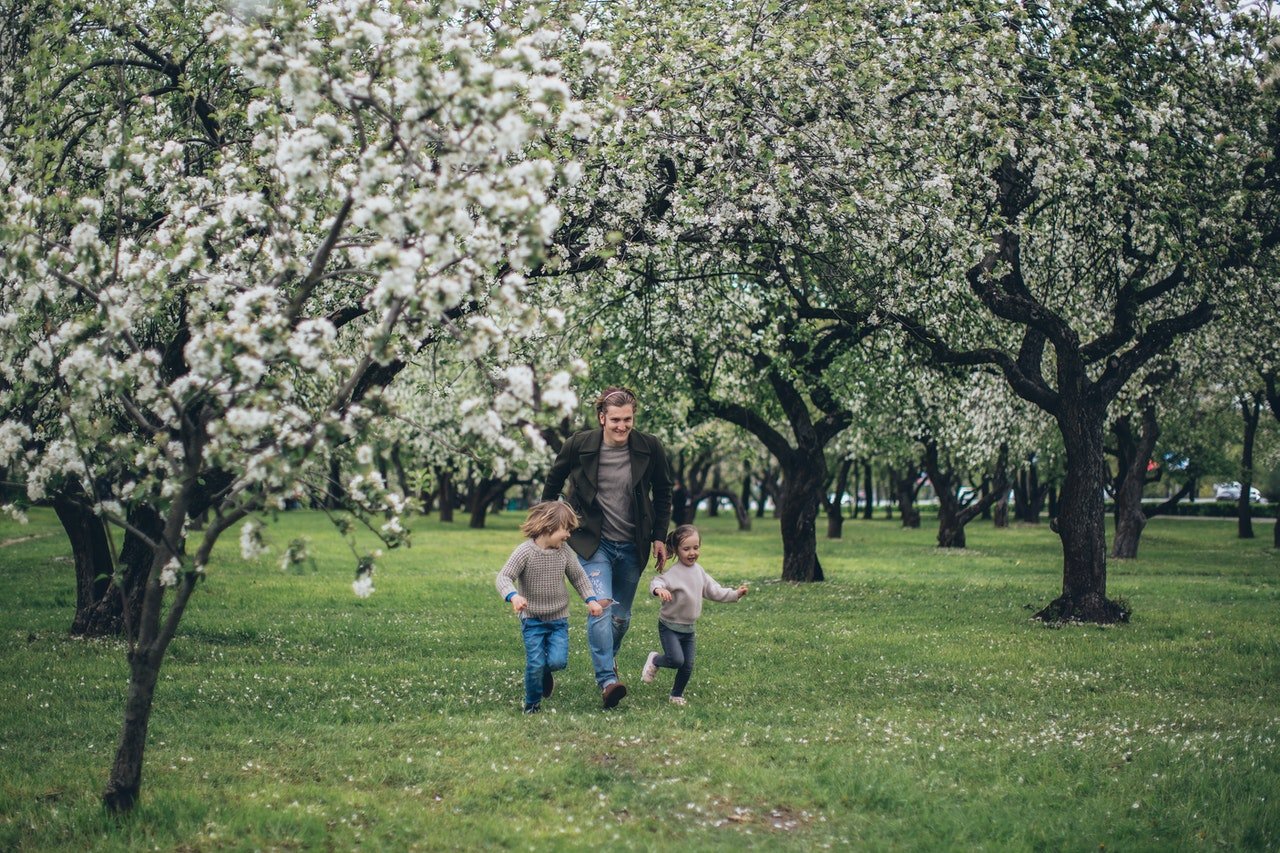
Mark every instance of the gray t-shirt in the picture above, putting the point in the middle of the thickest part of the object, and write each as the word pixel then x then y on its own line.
pixel 613 491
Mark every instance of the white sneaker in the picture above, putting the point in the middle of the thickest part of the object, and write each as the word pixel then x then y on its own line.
pixel 650 668
pixel 678 700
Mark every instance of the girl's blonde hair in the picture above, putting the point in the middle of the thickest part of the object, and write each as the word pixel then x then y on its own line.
pixel 677 536
pixel 548 517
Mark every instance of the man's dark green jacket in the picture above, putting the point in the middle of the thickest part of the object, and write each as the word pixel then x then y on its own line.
pixel 575 472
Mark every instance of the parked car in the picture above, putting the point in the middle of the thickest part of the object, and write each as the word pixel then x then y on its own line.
pixel 1231 492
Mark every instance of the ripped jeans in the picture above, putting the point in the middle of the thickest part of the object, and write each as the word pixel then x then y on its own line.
pixel 614 572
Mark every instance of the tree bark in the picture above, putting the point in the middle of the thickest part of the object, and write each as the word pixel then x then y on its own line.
pixel 1132 452
pixel 802 482
pixel 1251 409
pixel 906 490
pixel 125 781
pixel 867 489
pixel 108 602
pixel 953 516
pixel 834 503
pixel 446 495
pixel 91 555
pixel 1080 522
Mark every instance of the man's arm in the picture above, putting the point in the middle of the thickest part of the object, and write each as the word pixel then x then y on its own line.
pixel 661 481
pixel 559 472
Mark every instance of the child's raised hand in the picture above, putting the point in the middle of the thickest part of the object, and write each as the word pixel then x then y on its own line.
pixel 742 590
pixel 663 593
pixel 519 602
pixel 594 608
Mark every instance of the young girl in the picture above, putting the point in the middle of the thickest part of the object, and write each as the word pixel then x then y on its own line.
pixel 533 581
pixel 682 588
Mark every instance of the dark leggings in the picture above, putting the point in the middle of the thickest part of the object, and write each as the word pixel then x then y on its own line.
pixel 677 654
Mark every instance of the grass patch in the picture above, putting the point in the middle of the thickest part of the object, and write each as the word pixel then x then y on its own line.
pixel 906 703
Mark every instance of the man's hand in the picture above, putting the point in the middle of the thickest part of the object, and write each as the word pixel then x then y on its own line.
pixel 660 553
pixel 519 602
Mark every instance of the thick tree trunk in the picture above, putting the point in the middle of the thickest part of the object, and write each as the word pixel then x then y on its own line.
pixel 1251 408
pixel 95 615
pixel 1081 523
pixel 107 604
pixel 125 781
pixel 801 495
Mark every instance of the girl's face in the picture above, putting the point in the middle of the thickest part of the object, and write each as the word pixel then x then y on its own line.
pixel 688 549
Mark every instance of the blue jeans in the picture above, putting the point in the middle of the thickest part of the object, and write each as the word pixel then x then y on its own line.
pixel 546 647
pixel 614 572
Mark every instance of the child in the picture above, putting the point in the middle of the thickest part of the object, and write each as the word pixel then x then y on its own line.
pixel 533 581
pixel 682 588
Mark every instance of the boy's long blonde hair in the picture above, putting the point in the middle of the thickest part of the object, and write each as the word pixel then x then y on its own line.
pixel 548 517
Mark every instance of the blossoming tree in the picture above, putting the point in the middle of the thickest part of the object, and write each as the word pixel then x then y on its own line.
pixel 225 234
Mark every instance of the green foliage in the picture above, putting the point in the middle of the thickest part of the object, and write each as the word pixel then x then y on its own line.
pixel 906 703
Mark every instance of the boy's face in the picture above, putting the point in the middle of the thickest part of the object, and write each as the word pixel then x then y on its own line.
pixel 558 537
pixel 617 422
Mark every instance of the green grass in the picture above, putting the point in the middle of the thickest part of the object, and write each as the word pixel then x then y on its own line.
pixel 906 703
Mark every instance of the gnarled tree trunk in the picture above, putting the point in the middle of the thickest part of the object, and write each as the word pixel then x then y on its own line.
pixel 1080 522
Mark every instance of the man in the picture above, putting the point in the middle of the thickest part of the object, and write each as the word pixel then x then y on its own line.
pixel 618 480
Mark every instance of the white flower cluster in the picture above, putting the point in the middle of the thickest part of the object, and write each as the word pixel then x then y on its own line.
pixel 350 177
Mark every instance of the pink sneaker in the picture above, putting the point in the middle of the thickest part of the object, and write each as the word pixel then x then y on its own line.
pixel 650 668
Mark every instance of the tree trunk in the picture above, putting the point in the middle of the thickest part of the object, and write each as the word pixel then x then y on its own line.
pixel 1081 523
pixel 867 490
pixel 953 517
pixel 906 492
pixel 1133 451
pixel 446 496
pixel 91 554
pixel 107 603
pixel 336 491
pixel 834 503
pixel 1251 408
pixel 125 781
pixel 802 483
pixel 1000 509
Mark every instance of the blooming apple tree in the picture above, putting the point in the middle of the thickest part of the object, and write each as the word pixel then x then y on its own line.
pixel 225 233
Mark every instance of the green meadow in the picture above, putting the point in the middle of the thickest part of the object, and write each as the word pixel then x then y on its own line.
pixel 906 703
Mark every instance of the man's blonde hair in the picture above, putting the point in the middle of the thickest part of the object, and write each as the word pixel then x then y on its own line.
pixel 548 517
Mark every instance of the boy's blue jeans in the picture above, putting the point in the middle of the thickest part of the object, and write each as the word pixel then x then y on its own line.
pixel 614 572
pixel 546 647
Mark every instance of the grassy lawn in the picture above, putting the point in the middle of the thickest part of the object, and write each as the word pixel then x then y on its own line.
pixel 905 703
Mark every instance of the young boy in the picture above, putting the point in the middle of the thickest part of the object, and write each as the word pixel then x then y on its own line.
pixel 533 581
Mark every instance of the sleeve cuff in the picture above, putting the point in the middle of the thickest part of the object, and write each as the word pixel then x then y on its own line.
pixel 511 595
pixel 591 599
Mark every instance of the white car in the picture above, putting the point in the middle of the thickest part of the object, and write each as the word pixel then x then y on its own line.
pixel 1231 492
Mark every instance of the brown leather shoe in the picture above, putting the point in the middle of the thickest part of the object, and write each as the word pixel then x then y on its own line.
pixel 613 694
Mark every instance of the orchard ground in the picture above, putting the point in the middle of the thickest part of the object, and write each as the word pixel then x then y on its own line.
pixel 906 703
